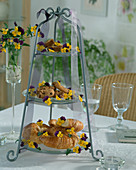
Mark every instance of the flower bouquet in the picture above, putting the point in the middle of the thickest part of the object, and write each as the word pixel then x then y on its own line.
pixel 11 42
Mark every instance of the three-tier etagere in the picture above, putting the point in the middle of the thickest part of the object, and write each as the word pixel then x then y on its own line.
pixel 64 13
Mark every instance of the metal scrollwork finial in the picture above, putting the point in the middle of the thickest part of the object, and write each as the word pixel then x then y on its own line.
pixel 11 152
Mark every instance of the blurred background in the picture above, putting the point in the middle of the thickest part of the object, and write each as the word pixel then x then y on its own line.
pixel 108 31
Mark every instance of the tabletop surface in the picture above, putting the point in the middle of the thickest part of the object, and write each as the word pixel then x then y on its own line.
pixel 104 139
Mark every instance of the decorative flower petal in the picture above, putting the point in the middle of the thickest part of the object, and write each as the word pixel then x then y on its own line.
pixel 63 118
pixel 15 23
pixel 21 42
pixel 56 133
pixel 16 40
pixel 22 144
pixel 45 98
pixel 36 145
pixel 31 87
pixel 40 43
pixel 20 29
pixel 42 35
pixel 47 84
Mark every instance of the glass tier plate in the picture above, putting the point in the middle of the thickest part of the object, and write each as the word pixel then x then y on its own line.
pixel 55 54
pixel 45 149
pixel 54 101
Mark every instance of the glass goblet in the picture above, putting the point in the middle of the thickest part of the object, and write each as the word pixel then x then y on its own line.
pixel 121 98
pixel 13 77
pixel 93 95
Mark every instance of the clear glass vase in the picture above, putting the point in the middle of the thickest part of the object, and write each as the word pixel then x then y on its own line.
pixel 13 76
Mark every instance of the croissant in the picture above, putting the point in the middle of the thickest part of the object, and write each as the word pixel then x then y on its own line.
pixel 69 123
pixel 30 132
pixel 64 142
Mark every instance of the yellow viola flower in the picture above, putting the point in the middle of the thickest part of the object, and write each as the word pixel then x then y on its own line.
pixel 50 50
pixel 4 31
pixel 32 90
pixel 60 134
pixel 60 122
pixel 16 32
pixel 82 135
pixel 77 48
pixel 17 45
pixel 57 44
pixel 45 134
pixel 58 82
pixel 70 93
pixel 39 34
pixel 32 29
pixel 62 50
pixel 25 34
pixel 24 141
pixel 57 97
pixel 40 47
pixel 40 123
pixel 40 84
pixel 31 145
pixel 35 27
pixel 3 49
pixel 65 96
pixel 80 99
pixel 71 131
pixel 77 149
pixel 43 82
pixel 83 143
pixel 68 45
pixel 28 141
pixel 34 32
pixel 10 40
pixel 3 44
pixel 48 102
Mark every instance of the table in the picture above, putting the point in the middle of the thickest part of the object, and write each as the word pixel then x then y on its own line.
pixel 104 139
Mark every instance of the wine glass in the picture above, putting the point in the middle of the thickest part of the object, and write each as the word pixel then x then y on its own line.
pixel 13 77
pixel 93 95
pixel 121 98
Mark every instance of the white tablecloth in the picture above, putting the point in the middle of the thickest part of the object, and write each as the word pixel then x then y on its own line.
pixel 103 139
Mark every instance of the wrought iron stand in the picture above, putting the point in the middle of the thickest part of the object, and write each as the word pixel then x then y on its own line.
pixel 65 14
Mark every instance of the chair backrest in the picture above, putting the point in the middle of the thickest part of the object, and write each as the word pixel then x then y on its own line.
pixel 105 107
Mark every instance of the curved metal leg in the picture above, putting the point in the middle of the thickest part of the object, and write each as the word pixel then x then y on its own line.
pixel 11 152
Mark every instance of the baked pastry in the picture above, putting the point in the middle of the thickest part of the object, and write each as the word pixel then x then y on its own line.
pixel 55 48
pixel 69 123
pixel 60 87
pixel 45 91
pixel 59 93
pixel 49 43
pixel 64 142
pixel 30 132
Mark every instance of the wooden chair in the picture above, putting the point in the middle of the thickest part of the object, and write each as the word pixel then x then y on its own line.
pixel 105 107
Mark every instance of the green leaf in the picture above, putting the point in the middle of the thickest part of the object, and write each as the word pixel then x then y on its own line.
pixel 69 135
pixel 40 133
pixel 6 25
pixel 68 151
pixel 39 148
pixel 26 45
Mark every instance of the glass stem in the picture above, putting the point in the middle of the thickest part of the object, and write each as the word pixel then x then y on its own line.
pixel 119 118
pixel 13 104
